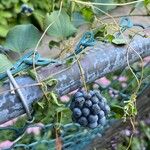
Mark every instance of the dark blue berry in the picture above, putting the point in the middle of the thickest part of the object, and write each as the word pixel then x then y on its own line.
pixel 104 100
pixel 89 109
pixel 85 112
pixel 78 94
pixel 98 95
pixel 101 114
pixel 88 103
pixel 101 105
pixel 102 121
pixel 30 10
pixel 92 118
pixel 106 109
pixel 95 100
pixel 24 6
pixel 77 112
pixel 93 125
pixel 86 95
pixel 97 92
pixel 92 93
pixel 79 101
pixel 26 9
pixel 95 109
pixel 82 121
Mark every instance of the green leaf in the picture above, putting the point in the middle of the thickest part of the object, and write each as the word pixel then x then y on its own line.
pixel 100 32
pixel 146 2
pixel 60 109
pixel 88 14
pixel 4 63
pixel 22 37
pixel 109 37
pixel 62 27
pixel 3 31
pixel 77 19
pixel 69 61
pixel 119 41
pixel 6 14
pixel 118 110
pixel 66 116
pixel 39 16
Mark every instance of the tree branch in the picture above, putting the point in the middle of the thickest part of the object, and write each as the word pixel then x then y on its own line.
pixel 101 60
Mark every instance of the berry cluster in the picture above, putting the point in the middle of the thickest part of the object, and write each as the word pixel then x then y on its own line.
pixel 26 9
pixel 89 109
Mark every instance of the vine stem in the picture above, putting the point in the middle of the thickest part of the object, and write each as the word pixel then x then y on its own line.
pixel 49 27
pixel 81 72
pixel 128 49
pixel 138 81
pixel 35 49
pixel 107 4
pixel 133 15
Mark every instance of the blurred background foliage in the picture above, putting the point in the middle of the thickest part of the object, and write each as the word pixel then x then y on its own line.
pixel 10 12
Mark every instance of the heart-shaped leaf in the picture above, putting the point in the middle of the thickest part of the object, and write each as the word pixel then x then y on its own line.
pixel 22 37
pixel 62 27
pixel 4 63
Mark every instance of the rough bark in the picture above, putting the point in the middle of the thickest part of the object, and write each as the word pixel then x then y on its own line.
pixel 100 60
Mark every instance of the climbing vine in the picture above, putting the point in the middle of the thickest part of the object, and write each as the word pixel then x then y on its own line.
pixel 62 20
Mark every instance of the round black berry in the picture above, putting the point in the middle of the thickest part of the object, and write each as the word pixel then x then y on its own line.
pixel 104 100
pixel 98 95
pixel 89 109
pixel 95 100
pixel 95 109
pixel 82 121
pixel 93 125
pixel 88 96
pixel 30 10
pixel 84 93
pixel 88 103
pixel 77 112
pixel 92 118
pixel 101 105
pixel 79 101
pixel 92 93
pixel 101 114
pixel 26 9
pixel 102 121
pixel 78 94
pixel 106 109
pixel 85 112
